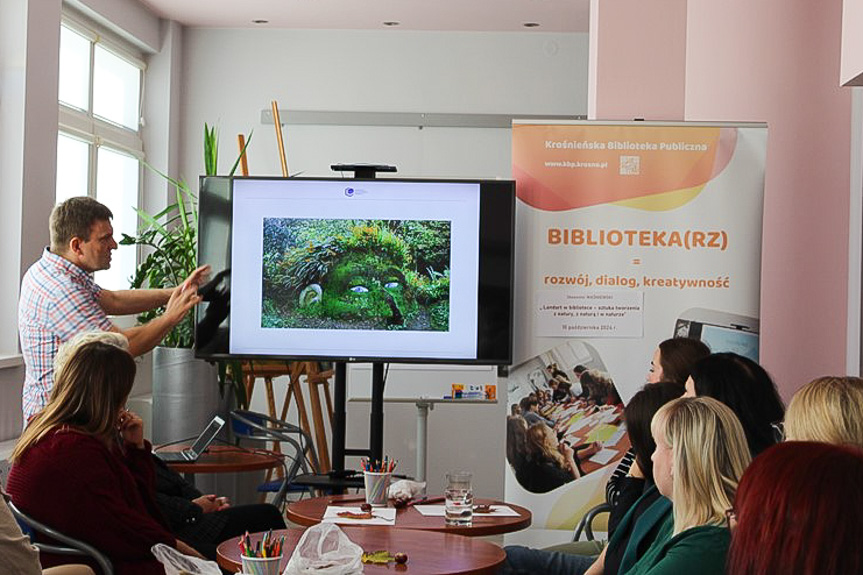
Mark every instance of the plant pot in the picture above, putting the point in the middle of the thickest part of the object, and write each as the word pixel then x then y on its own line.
pixel 185 398
pixel 185 395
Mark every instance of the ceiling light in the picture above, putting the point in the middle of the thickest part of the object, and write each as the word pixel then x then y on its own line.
pixel 531 24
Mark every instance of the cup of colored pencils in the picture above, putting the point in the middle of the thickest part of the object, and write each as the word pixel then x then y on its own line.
pixel 377 477
pixel 263 557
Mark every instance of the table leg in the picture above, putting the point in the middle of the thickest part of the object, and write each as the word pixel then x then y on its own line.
pixel 423 408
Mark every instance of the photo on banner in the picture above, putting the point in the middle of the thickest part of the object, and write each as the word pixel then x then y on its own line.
pixel 628 234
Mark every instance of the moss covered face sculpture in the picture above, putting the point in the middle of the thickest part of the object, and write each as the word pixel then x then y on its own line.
pixel 362 278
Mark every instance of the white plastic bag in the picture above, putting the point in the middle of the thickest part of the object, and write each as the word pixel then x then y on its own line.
pixel 176 563
pixel 404 490
pixel 324 549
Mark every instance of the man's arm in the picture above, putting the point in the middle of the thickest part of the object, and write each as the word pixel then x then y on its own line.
pixel 145 337
pixel 127 302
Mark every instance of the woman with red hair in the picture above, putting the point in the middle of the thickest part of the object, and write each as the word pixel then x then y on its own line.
pixel 798 512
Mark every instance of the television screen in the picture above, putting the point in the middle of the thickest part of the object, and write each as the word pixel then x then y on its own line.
pixel 357 270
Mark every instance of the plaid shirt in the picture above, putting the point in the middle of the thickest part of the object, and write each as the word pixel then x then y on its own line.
pixel 58 300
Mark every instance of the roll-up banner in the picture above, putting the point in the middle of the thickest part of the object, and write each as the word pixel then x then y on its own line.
pixel 627 234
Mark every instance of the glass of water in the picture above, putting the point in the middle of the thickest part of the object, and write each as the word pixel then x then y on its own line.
pixel 459 499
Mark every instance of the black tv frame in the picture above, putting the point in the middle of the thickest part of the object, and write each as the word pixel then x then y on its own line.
pixel 496 274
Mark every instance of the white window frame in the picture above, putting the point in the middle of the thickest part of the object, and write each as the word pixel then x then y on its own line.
pixel 86 126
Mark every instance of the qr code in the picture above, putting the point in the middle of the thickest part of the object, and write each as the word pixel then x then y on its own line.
pixel 630 165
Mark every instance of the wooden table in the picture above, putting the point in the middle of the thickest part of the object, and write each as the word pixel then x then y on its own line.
pixel 583 434
pixel 428 553
pixel 310 511
pixel 225 459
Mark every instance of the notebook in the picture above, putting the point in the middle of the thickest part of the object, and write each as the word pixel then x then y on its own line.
pixel 201 444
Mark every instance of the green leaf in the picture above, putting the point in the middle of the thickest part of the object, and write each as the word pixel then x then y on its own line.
pixel 378 557
pixel 242 153
pixel 211 150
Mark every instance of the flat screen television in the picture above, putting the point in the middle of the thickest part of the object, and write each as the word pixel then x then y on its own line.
pixel 396 270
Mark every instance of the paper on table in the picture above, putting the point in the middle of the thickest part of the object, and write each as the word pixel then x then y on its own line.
pixel 616 436
pixel 603 456
pixel 381 516
pixel 440 511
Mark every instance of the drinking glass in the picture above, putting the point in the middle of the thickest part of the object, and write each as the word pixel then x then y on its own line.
pixel 458 498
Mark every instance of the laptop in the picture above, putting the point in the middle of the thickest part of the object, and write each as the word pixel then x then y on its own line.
pixel 191 454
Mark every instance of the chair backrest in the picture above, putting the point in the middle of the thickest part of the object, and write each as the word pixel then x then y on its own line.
pixel 586 523
pixel 255 426
pixel 62 544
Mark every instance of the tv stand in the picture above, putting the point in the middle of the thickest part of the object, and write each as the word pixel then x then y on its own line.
pixel 363 171
pixel 375 451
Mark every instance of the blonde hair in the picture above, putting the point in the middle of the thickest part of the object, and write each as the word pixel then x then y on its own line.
pixel 541 439
pixel 77 341
pixel 709 455
pixel 89 390
pixel 829 410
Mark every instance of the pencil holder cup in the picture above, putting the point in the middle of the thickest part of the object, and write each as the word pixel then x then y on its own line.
pixel 261 565
pixel 377 485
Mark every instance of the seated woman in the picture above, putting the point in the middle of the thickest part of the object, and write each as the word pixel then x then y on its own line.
pixel 797 512
pixel 567 559
pixel 701 453
pixel 203 521
pixel 548 463
pixel 82 464
pixel 19 556
pixel 827 409
pixel 671 363
pixel 673 359
pixel 746 388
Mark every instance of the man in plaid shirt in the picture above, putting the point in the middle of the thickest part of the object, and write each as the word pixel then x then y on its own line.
pixel 59 298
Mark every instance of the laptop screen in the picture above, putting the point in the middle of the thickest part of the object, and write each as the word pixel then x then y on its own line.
pixel 208 435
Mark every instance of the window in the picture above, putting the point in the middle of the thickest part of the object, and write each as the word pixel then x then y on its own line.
pixel 98 144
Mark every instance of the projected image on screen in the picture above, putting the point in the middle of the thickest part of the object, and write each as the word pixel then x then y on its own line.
pixel 356 274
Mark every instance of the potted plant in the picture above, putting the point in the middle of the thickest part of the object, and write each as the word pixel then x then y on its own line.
pixel 180 403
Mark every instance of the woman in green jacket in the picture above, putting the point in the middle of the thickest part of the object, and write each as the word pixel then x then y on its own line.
pixel 701 453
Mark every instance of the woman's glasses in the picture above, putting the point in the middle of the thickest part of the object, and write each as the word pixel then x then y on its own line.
pixel 778 431
pixel 731 517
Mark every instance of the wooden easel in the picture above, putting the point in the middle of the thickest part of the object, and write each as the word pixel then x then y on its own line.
pixel 317 380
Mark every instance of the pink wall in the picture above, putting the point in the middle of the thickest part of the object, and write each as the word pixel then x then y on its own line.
pixel 775 61
pixel 640 69
pixel 778 61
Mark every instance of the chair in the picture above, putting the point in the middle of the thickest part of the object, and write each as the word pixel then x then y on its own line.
pixel 586 523
pixel 64 545
pixel 254 426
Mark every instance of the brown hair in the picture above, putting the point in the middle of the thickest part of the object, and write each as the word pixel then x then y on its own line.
pixel 90 390
pixel 639 413
pixel 677 356
pixel 73 219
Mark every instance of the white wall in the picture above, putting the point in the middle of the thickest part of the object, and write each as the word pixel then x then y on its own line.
pixel 230 76
pixel 29 63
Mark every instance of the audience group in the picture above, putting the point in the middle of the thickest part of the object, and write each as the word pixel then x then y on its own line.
pixel 719 480
pixel 541 458
pixel 722 480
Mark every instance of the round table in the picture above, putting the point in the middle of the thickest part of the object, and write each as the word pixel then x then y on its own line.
pixel 224 459
pixel 428 553
pixel 310 511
